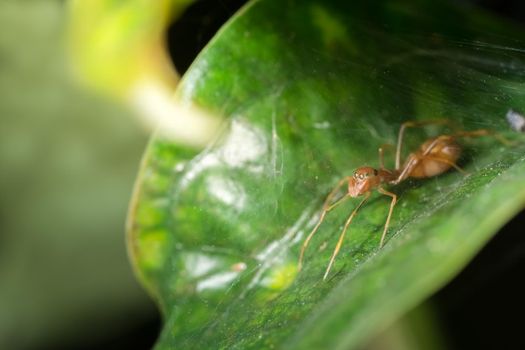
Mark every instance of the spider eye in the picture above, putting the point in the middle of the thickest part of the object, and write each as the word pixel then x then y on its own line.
pixel 360 175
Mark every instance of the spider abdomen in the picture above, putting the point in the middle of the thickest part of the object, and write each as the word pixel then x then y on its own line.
pixel 435 157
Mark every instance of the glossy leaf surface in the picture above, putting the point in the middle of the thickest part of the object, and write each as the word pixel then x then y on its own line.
pixel 310 90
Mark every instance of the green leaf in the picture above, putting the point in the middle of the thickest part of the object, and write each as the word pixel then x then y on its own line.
pixel 310 90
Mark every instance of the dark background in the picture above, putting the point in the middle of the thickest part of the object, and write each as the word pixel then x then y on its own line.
pixel 482 308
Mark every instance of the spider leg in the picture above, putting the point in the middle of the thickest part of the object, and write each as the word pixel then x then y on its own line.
pixel 484 132
pixel 414 124
pixel 326 208
pixel 392 204
pixel 342 236
pixel 414 159
pixel 381 151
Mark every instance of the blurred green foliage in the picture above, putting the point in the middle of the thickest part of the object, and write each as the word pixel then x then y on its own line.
pixel 68 160
pixel 116 45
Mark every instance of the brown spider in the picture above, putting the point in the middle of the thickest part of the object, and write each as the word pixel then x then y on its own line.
pixel 434 157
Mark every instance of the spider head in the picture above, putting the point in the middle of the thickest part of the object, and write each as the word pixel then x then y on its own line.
pixel 364 179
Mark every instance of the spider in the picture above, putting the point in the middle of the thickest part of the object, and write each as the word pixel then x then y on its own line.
pixel 434 157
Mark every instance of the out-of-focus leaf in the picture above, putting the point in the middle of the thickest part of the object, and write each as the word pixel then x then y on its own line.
pixel 118 47
pixel 68 160
pixel 311 90
pixel 114 44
